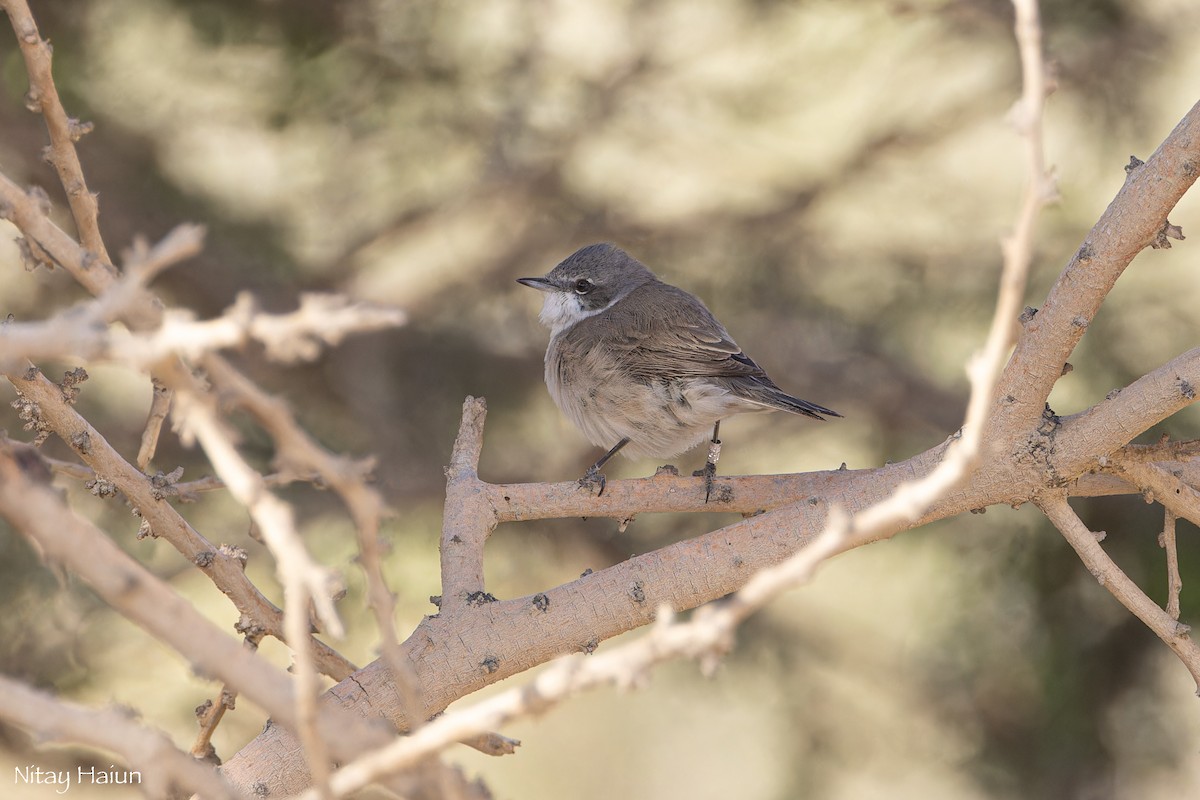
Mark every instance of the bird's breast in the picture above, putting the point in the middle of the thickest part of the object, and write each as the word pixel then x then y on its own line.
pixel 662 417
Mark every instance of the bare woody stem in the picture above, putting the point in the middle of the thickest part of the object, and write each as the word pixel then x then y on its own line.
pixel 1110 576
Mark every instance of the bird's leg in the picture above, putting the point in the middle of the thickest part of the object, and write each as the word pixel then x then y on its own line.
pixel 710 466
pixel 593 476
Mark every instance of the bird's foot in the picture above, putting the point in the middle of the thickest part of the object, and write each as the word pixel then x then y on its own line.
pixel 708 473
pixel 710 467
pixel 594 481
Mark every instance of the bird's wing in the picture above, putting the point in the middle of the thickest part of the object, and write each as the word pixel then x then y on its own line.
pixel 668 333
pixel 660 332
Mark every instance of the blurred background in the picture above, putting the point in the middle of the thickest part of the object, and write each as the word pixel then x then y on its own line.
pixel 832 178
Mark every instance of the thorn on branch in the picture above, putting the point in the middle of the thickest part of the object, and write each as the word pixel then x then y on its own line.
pixel 1187 390
pixel 1050 420
pixel 235 554
pixel 637 592
pixel 490 664
pixel 477 599
pixel 82 442
pixel 1132 166
pixel 1068 368
pixel 77 130
pixel 589 647
pixel 31 415
pixel 1162 240
pixel 248 627
pixel 541 602
pixel 32 255
pixel 70 384
pixel 40 199
pixel 163 484
pixel 1027 315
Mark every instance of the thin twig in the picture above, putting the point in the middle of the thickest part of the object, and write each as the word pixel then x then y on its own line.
pixel 321 320
pixel 35 510
pixel 224 566
pixel 303 579
pixel 1174 582
pixel 160 406
pixel 209 716
pixel 64 131
pixel 1110 576
pixel 348 478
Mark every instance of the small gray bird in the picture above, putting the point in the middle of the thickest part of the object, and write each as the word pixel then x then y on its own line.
pixel 643 367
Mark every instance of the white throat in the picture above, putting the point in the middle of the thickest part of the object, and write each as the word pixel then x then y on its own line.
pixel 561 310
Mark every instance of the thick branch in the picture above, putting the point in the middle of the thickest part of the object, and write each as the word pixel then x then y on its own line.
pixel 1131 222
pixel 468 518
pixel 1108 426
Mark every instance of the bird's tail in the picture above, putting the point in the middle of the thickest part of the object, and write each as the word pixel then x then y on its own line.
pixel 769 395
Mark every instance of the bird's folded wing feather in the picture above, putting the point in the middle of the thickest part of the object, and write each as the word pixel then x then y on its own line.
pixel 669 334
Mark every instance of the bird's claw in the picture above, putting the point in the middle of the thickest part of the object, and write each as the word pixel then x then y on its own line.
pixel 708 473
pixel 592 480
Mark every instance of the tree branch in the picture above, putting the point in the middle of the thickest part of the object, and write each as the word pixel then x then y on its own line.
pixel 1131 222
pixel 1110 576
pixel 224 566
pixel 148 750
pixel 64 131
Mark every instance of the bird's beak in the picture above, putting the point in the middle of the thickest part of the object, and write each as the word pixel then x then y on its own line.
pixel 541 284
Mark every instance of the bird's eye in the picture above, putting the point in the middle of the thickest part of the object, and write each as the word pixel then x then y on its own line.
pixel 583 286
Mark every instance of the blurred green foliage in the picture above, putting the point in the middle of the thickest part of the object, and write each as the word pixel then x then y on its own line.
pixel 831 177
